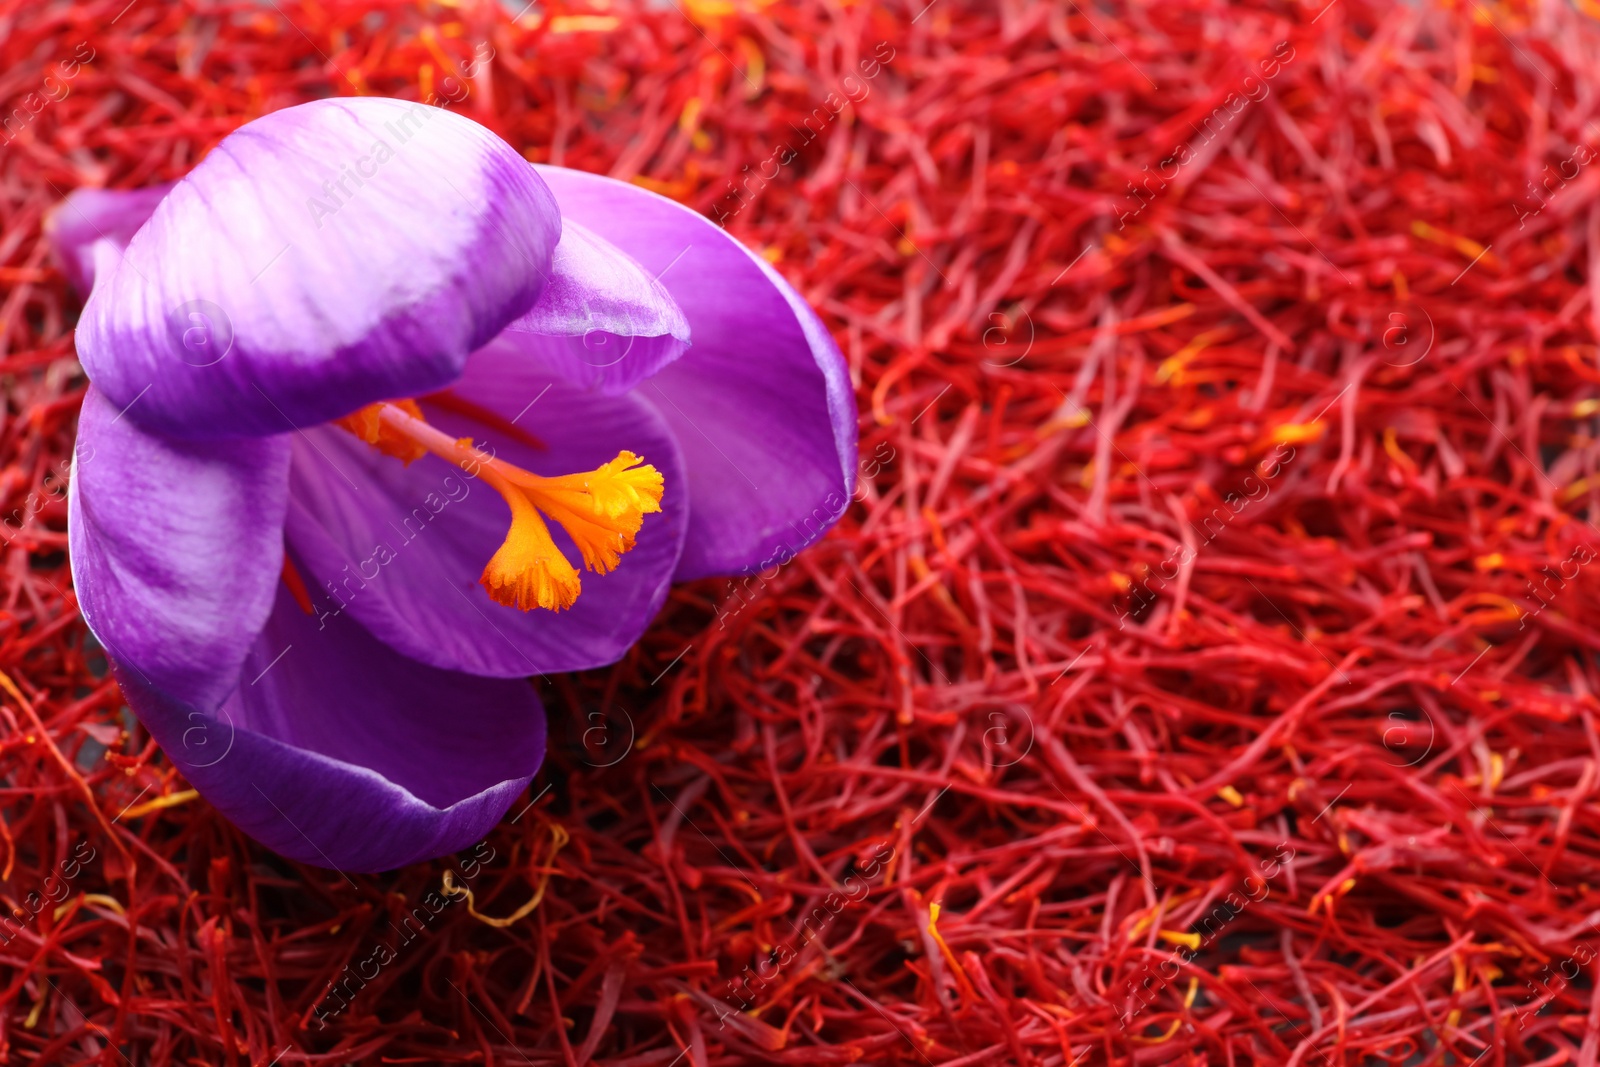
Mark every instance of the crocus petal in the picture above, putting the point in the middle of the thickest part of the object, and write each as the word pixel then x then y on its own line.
pixel 176 547
pixel 603 322
pixel 762 403
pixel 338 752
pixel 91 217
pixel 319 259
pixel 402 547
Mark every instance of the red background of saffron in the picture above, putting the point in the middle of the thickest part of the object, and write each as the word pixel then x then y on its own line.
pixel 1189 683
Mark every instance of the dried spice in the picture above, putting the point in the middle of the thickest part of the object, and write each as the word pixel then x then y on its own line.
pixel 1205 671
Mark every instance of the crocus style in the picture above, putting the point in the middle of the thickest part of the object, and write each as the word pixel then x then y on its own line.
pixel 383 420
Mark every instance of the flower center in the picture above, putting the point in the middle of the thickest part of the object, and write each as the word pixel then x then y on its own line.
pixel 601 510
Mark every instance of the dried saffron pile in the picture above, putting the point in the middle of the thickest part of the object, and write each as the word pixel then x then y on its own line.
pixel 1205 673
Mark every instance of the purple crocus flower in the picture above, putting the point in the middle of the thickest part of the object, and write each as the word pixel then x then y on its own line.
pixel 383 420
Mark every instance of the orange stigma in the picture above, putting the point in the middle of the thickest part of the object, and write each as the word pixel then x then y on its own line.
pixel 366 424
pixel 601 510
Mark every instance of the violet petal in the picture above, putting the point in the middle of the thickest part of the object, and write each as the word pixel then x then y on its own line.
pixel 103 217
pixel 603 322
pixel 762 403
pixel 338 752
pixel 320 258
pixel 177 548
